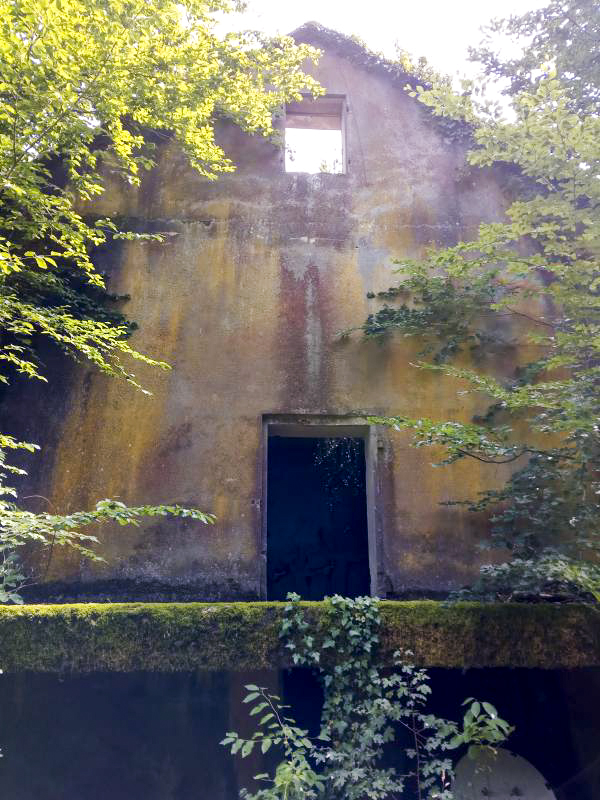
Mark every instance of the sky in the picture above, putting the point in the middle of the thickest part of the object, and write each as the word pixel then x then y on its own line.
pixel 440 30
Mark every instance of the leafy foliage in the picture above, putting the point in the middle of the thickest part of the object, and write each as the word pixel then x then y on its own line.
pixel 82 85
pixel 363 712
pixel 21 528
pixel 558 37
pixel 528 285
pixel 550 576
pixel 89 87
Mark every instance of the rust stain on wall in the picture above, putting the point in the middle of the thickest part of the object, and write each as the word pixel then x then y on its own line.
pixel 304 340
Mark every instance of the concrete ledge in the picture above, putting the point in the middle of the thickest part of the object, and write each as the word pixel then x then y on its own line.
pixel 170 637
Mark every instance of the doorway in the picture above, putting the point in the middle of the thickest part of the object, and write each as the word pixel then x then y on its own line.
pixel 317 522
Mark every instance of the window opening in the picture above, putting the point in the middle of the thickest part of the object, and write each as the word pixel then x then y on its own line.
pixel 314 135
pixel 317 531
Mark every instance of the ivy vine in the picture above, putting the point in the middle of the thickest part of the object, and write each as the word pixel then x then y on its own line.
pixel 366 710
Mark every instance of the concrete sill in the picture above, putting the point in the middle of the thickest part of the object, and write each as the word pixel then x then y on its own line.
pixel 171 637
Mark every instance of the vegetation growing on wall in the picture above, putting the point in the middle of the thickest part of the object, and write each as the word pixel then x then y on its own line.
pixel 528 285
pixel 20 528
pixel 88 86
pixel 173 637
pixel 364 711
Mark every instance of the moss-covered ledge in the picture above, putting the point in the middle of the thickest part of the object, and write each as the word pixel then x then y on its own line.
pixel 169 637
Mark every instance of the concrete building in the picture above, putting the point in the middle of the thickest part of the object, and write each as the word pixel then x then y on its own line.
pixel 264 421
pixel 262 271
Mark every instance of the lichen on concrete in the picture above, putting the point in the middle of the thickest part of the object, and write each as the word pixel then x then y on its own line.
pixel 258 274
pixel 172 637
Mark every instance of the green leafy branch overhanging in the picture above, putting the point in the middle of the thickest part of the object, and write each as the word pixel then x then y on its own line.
pixel 90 88
pixel 47 531
pixel 528 287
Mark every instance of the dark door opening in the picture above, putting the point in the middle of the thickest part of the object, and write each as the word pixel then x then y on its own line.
pixel 317 535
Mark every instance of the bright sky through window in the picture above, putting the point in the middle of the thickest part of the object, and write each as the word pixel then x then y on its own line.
pixel 313 151
pixel 314 134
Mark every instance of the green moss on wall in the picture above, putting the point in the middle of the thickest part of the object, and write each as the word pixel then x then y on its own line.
pixel 168 637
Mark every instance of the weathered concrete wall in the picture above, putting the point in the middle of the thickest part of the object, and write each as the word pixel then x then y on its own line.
pixel 156 736
pixel 245 302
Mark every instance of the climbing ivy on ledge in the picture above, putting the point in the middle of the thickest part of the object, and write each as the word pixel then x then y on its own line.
pixel 364 710
pixel 173 637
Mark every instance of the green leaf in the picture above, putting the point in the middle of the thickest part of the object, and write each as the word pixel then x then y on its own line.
pixel 247 748
pixel 490 709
